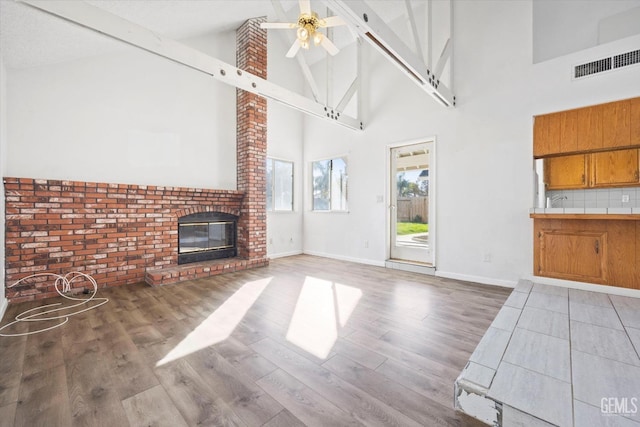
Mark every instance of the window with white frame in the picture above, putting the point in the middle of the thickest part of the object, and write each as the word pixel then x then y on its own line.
pixel 279 185
pixel 330 184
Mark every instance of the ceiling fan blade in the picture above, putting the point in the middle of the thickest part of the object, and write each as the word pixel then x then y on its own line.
pixel 277 25
pixel 305 6
pixel 332 21
pixel 329 46
pixel 295 47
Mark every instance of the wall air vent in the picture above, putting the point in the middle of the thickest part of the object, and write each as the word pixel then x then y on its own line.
pixel 625 59
pixel 606 64
pixel 593 67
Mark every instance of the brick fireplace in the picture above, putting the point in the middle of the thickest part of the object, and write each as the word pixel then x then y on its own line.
pixel 123 233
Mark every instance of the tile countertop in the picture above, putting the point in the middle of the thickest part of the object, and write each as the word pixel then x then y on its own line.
pixel 585 213
pixel 592 211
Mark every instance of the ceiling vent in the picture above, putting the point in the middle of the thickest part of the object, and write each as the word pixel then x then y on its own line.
pixel 606 64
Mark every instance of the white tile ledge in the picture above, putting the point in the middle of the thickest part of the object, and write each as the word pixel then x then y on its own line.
pixel 589 211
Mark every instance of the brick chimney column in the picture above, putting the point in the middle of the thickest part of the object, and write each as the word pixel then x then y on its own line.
pixel 251 140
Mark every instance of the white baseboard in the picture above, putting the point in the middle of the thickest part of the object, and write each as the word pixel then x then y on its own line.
pixel 3 307
pixel 284 254
pixel 477 279
pixel 614 290
pixel 345 258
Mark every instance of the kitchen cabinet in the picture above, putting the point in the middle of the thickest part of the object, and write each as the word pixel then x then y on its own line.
pixel 616 124
pixel 590 128
pixel 600 127
pixel 634 121
pixel 566 172
pixel 615 168
pixel 544 139
pixel 573 255
pixel 555 133
pixel 601 251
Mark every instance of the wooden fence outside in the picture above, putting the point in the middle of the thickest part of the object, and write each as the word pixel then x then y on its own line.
pixel 411 207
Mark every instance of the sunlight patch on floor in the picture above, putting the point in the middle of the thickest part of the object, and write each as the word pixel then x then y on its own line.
pixel 323 307
pixel 221 323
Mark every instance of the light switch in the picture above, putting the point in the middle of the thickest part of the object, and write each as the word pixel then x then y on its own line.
pixel 625 198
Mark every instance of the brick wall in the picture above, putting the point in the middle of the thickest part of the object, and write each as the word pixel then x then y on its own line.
pixel 112 231
pixel 251 138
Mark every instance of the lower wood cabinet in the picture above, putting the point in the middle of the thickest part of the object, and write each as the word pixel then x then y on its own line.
pixel 573 255
pixel 594 251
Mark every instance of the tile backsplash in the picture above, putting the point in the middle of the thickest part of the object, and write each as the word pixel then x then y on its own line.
pixel 595 198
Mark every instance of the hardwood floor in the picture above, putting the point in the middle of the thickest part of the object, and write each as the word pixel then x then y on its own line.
pixel 305 341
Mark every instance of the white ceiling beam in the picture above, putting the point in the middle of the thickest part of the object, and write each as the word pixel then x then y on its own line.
pixel 429 35
pixel 106 23
pixel 288 36
pixel 444 57
pixel 348 95
pixel 414 29
pixel 329 68
pixel 373 29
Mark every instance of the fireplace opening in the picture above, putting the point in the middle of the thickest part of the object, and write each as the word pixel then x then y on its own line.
pixel 206 236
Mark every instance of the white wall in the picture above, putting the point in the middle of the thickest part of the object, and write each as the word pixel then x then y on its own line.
pixel 284 141
pixel 140 119
pixel 484 145
pixel 554 90
pixel 125 118
pixel 483 152
pixel 3 167
pixel 562 27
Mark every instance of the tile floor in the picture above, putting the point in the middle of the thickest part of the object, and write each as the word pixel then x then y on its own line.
pixel 556 357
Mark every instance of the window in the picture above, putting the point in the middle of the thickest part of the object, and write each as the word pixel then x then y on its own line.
pixel 330 185
pixel 279 185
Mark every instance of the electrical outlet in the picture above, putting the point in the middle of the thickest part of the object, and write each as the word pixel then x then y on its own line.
pixel 271 240
pixel 487 257
pixel 366 243
pixel 625 198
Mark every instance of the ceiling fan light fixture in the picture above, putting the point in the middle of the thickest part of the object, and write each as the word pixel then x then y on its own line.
pixel 308 29
pixel 303 34
pixel 317 38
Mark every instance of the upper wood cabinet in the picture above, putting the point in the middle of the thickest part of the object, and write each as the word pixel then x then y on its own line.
pixel 542 140
pixel 590 128
pixel 615 168
pixel 566 172
pixel 634 122
pixel 555 133
pixel 600 127
pixel 616 124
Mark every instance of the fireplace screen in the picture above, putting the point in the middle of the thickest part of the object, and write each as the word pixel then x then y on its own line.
pixel 205 236
pixel 205 240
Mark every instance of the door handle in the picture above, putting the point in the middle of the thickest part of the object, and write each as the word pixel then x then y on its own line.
pixel 597 247
pixel 392 206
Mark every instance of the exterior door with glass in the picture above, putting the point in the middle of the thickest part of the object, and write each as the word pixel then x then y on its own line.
pixel 411 173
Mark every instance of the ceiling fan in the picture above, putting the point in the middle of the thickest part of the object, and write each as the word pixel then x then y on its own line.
pixel 308 29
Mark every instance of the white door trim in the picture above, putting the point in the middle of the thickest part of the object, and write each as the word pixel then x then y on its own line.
pixel 432 194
